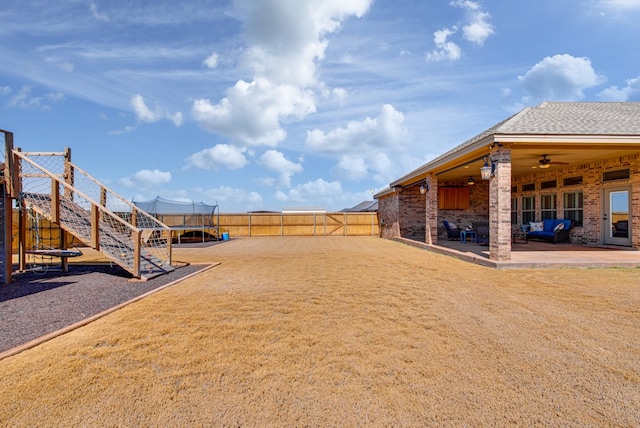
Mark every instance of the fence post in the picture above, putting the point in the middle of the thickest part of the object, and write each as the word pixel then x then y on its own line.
pixel 137 238
pixel 55 201
pixel 95 227
pixel 346 226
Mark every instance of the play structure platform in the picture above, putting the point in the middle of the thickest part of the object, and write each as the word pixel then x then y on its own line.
pixel 47 185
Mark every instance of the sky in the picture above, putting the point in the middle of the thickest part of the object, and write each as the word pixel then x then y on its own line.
pixel 274 104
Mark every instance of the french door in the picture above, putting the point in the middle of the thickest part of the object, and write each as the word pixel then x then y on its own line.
pixel 616 216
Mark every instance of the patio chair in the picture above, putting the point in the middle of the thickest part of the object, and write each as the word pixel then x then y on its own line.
pixel 482 231
pixel 452 230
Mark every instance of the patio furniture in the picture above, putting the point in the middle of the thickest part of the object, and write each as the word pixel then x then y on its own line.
pixel 481 228
pixel 551 230
pixel 471 234
pixel 520 234
pixel 452 230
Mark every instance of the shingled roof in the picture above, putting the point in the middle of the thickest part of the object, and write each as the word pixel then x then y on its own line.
pixel 559 119
pixel 566 118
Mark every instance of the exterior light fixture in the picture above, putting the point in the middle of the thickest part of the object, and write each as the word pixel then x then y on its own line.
pixel 471 181
pixel 424 189
pixel 544 165
pixel 487 170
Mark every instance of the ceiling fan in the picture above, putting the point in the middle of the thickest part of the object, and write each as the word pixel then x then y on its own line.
pixel 545 162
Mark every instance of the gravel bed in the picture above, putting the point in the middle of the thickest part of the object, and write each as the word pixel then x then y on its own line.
pixel 39 303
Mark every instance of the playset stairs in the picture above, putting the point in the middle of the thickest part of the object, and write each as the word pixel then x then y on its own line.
pixel 56 189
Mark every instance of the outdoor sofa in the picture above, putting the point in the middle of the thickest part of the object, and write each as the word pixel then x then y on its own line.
pixel 453 232
pixel 552 230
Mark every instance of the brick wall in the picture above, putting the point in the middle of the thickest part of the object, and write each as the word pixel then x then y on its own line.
pixel 591 233
pixel 412 213
pixel 404 212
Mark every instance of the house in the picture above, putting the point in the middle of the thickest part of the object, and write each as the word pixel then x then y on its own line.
pixel 564 160
pixel 362 207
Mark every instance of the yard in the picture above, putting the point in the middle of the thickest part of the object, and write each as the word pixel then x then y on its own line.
pixel 344 331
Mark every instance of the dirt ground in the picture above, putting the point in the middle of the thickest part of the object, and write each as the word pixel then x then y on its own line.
pixel 345 332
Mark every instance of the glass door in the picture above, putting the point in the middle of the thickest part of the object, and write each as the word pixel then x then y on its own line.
pixel 616 217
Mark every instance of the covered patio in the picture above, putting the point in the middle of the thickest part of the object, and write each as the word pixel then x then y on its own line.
pixel 578 162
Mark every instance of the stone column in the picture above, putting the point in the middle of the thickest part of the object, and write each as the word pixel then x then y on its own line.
pixel 500 206
pixel 431 217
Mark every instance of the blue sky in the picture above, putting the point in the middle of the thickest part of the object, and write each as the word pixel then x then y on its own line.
pixel 261 105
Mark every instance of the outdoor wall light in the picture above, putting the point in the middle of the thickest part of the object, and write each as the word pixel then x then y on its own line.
pixel 424 189
pixel 471 181
pixel 487 171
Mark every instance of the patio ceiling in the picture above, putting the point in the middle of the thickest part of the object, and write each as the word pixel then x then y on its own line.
pixel 525 159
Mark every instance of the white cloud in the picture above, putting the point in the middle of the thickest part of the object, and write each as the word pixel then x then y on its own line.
pixel 363 146
pixel 352 168
pixel 321 194
pixel 479 28
pixel 61 64
pixel 24 100
pixel 251 112
pixel 275 161
pixel 311 192
pixel 560 78
pixel 100 16
pixel 631 92
pixel 55 96
pixel 235 196
pixel 620 4
pixel 146 178
pixel 212 60
pixel 477 31
pixel 384 169
pixel 142 111
pixel 364 137
pixel 285 40
pixel 144 114
pixel 219 156
pixel 125 130
pixel 445 50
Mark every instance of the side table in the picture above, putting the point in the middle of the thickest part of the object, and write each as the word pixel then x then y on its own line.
pixel 467 233
pixel 520 234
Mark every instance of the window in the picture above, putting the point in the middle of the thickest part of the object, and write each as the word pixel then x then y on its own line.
pixel 620 174
pixel 572 181
pixel 551 184
pixel 528 187
pixel 514 210
pixel 528 209
pixel 548 207
pixel 573 207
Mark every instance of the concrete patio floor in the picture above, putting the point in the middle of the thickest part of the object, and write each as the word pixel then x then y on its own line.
pixel 536 254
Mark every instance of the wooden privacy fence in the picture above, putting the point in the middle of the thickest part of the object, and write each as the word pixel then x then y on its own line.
pixel 300 224
pixel 245 225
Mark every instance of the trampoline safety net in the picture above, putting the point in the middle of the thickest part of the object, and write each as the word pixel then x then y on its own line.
pixel 184 216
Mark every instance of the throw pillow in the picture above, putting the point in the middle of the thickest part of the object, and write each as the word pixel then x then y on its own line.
pixel 452 226
pixel 559 226
pixel 536 226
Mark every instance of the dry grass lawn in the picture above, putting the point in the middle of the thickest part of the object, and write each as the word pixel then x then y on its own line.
pixel 349 332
